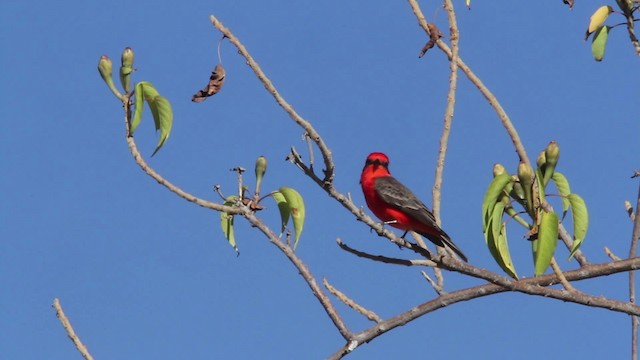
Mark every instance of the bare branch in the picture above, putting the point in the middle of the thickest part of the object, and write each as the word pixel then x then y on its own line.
pixel 436 286
pixel 304 272
pixel 385 259
pixel 560 275
pixel 310 130
pixel 454 35
pixel 532 286
pixel 350 303
pixel 610 254
pixel 82 348
pixel 493 101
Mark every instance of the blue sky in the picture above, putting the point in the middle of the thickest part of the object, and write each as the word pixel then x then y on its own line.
pixel 145 275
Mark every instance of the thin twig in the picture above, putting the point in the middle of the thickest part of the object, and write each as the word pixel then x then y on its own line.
pixel 82 348
pixel 610 254
pixel 310 130
pixel 454 35
pixel 438 289
pixel 560 275
pixel 385 259
pixel 350 303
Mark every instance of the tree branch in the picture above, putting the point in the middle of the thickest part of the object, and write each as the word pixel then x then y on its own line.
pixel 385 259
pixel 351 303
pixel 164 182
pixel 493 101
pixel 248 214
pixel 82 348
pixel 308 128
pixel 532 286
pixel 454 35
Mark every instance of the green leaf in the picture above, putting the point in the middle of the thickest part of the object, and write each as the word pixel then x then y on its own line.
pixel 492 196
pixel 149 91
pixel 599 42
pixel 139 108
pixel 580 221
pixel 496 239
pixel 226 222
pixel 545 245
pixel 163 118
pixel 284 208
pixel 503 250
pixel 160 109
pixel 296 204
pixel 562 184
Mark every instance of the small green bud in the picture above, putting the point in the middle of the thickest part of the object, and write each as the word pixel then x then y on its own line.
pixel 260 169
pixel 525 175
pixel 552 154
pixel 541 161
pixel 105 68
pixel 498 169
pixel 126 69
pixel 127 57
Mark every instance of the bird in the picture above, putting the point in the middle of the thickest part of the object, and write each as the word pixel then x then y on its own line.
pixel 394 204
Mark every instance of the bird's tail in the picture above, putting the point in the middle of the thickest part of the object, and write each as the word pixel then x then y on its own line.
pixel 443 240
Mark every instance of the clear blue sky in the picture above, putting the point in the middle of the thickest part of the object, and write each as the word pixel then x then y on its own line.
pixel 145 275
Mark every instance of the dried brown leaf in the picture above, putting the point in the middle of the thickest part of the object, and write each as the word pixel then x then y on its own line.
pixel 215 84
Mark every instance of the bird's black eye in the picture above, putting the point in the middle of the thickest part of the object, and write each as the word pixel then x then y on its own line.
pixel 377 162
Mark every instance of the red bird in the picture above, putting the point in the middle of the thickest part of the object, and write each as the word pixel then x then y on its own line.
pixel 396 205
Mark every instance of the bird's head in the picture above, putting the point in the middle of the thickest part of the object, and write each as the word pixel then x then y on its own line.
pixel 377 159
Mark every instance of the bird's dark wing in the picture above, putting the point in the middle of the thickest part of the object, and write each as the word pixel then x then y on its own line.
pixel 399 196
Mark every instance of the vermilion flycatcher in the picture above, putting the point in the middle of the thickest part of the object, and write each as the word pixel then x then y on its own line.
pixel 396 205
